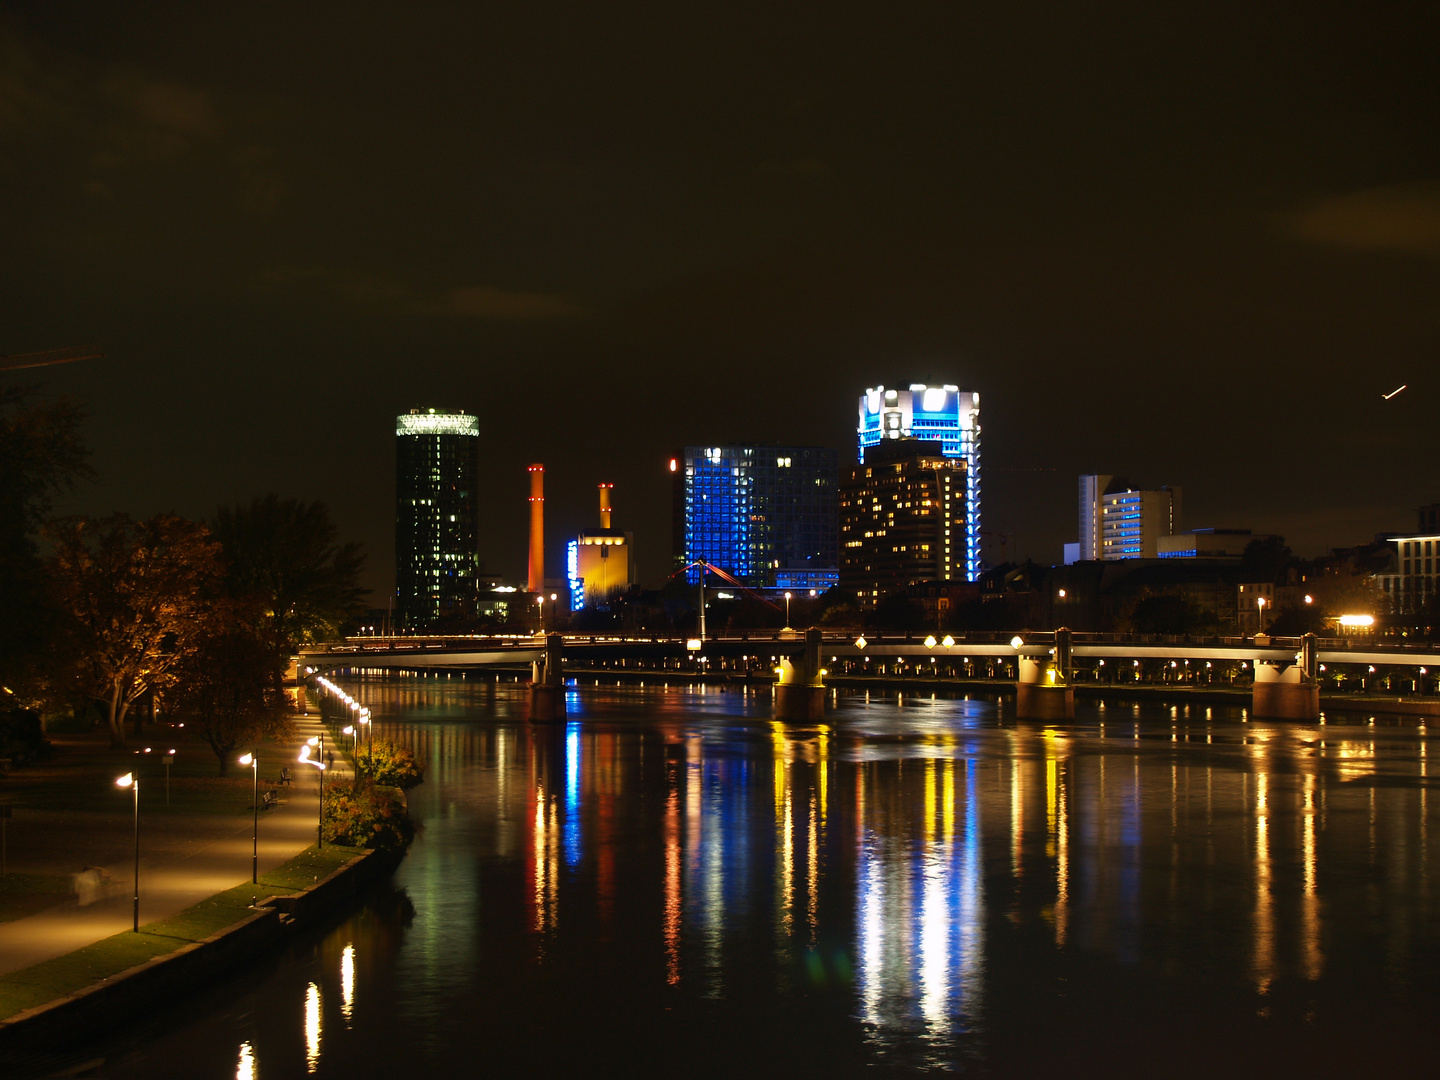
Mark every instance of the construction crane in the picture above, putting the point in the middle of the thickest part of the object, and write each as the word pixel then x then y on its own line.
pixel 19 361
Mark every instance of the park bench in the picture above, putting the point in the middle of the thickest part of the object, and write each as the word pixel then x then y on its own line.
pixel 269 801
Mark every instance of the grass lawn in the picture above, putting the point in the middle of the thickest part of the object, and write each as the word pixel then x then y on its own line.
pixel 80 776
pixel 104 959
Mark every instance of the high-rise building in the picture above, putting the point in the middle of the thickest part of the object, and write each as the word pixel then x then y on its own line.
pixel 902 518
pixel 436 514
pixel 944 414
pixel 765 514
pixel 1118 521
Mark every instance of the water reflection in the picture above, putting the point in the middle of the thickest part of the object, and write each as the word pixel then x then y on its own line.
pixel 913 887
pixel 312 1028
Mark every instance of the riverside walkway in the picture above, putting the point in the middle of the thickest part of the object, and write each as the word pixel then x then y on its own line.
pixel 184 858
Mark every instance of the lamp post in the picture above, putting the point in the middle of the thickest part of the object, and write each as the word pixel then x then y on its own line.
pixel 132 781
pixel 253 761
pixel 318 743
pixel 1259 615
pixel 787 611
pixel 369 730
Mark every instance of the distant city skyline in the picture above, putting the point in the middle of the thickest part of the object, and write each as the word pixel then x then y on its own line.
pixel 1196 243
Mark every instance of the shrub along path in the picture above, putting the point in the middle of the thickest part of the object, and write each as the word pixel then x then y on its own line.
pixel 72 837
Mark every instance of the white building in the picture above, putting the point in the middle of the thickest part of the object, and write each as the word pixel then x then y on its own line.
pixel 1412 580
pixel 1118 521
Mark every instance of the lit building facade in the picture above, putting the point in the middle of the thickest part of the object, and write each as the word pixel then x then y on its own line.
pixel 944 414
pixel 598 562
pixel 903 519
pixel 765 514
pixel 436 515
pixel 1413 576
pixel 1118 521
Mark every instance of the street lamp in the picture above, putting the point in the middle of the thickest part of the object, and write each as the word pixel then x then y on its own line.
pixel 254 762
pixel 1259 614
pixel 787 611
pixel 317 742
pixel 132 781
pixel 349 729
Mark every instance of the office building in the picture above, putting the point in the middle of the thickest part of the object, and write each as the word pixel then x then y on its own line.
pixel 1412 578
pixel 1229 544
pixel 1118 521
pixel 903 517
pixel 764 514
pixel 943 414
pixel 598 562
pixel 436 515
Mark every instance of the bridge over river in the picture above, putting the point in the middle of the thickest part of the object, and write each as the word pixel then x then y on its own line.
pixel 1284 673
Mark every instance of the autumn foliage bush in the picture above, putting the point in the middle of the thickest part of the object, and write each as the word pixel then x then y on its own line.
pixel 389 765
pixel 367 815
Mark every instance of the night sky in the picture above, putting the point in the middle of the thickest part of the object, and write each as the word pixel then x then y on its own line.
pixel 1189 243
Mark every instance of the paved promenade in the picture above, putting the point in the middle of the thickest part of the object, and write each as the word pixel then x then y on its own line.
pixel 183 858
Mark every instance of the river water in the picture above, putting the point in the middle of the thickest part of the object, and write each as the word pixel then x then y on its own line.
pixel 672 884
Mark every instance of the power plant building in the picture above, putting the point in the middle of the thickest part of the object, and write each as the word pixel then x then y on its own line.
pixel 436 515
pixel 765 514
pixel 943 414
pixel 598 561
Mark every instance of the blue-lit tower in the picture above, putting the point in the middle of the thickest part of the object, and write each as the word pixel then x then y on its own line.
pixel 768 515
pixel 437 514
pixel 944 414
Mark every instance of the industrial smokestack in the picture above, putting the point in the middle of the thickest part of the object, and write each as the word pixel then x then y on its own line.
pixel 537 528
pixel 605 505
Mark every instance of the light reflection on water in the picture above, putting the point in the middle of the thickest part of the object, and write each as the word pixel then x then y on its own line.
pixel 912 885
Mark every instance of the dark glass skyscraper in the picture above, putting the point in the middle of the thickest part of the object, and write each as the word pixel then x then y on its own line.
pixel 436 515
pixel 766 514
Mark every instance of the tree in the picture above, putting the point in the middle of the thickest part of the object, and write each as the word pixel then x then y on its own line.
pixel 227 688
pixel 136 596
pixel 1168 614
pixel 284 554
pixel 40 456
pixel 1266 558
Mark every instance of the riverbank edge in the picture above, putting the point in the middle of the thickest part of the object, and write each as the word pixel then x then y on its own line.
pixel 113 1001
pixel 1226 695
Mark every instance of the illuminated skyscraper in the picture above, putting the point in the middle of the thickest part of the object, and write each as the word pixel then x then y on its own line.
pixel 944 414
pixel 901 518
pixel 436 514
pixel 766 514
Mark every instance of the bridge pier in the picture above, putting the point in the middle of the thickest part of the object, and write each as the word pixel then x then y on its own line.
pixel 800 690
pixel 547 684
pixel 1042 688
pixel 1285 690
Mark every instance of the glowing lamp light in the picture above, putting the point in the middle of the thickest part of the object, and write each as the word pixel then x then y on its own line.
pixel 1357 620
pixel 1016 641
pixel 930 642
pixel 126 780
pixel 246 759
pixel 860 643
